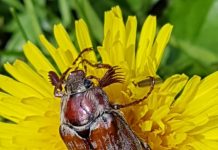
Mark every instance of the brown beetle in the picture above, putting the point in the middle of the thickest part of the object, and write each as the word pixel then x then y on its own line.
pixel 88 120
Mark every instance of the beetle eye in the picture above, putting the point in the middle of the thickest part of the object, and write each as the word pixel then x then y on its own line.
pixel 87 83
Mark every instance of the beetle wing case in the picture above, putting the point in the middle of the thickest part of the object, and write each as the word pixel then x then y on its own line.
pixel 107 132
pixel 111 132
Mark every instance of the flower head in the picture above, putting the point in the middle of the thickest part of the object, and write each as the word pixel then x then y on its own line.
pixel 179 114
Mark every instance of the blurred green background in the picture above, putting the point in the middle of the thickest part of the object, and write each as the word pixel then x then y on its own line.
pixel 193 48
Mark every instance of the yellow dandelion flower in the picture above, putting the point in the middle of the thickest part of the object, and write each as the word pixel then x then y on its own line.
pixel 179 114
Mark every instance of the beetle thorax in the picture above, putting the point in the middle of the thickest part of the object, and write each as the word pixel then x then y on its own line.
pixel 85 107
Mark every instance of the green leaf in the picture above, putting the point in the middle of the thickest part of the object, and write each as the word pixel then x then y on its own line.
pixel 186 57
pixel 15 42
pixel 65 12
pixel 14 3
pixel 198 53
pixel 16 18
pixel 194 35
pixel 139 5
pixel 86 11
pixel 208 36
pixel 30 10
pixel 188 17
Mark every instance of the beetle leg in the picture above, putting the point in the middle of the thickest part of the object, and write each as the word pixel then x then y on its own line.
pixel 57 82
pixel 81 53
pixel 152 83
pixel 98 65
pixel 146 82
pixel 107 66
pixel 93 77
pixel 58 93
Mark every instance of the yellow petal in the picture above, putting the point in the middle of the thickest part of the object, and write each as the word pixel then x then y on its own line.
pixel 109 16
pixel 171 87
pixel 104 55
pixel 201 144
pixel 206 96
pixel 211 124
pixel 63 39
pixel 38 103
pixel 66 58
pixel 139 113
pixel 145 41
pixel 37 59
pixel 207 84
pixel 160 43
pixel 17 89
pixel 23 73
pixel 146 126
pixel 195 107
pixel 131 29
pixel 82 34
pixel 117 54
pixel 158 116
pixel 148 68
pixel 180 125
pixel 13 109
pixel 84 39
pixel 54 53
pixel 174 139
pixel 6 141
pixel 187 95
pixel 2 95
pixel 199 120
pixel 211 134
pixel 114 32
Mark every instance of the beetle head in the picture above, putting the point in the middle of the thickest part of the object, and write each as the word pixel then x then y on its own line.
pixel 77 82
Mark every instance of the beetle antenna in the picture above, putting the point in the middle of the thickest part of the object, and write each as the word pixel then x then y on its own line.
pixel 111 76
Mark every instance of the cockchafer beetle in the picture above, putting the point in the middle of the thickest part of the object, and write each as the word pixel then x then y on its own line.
pixel 88 120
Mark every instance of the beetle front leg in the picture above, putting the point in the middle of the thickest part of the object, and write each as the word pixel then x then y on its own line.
pixel 58 93
pixel 57 82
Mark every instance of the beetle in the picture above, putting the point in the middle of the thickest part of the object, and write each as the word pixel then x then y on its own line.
pixel 88 121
